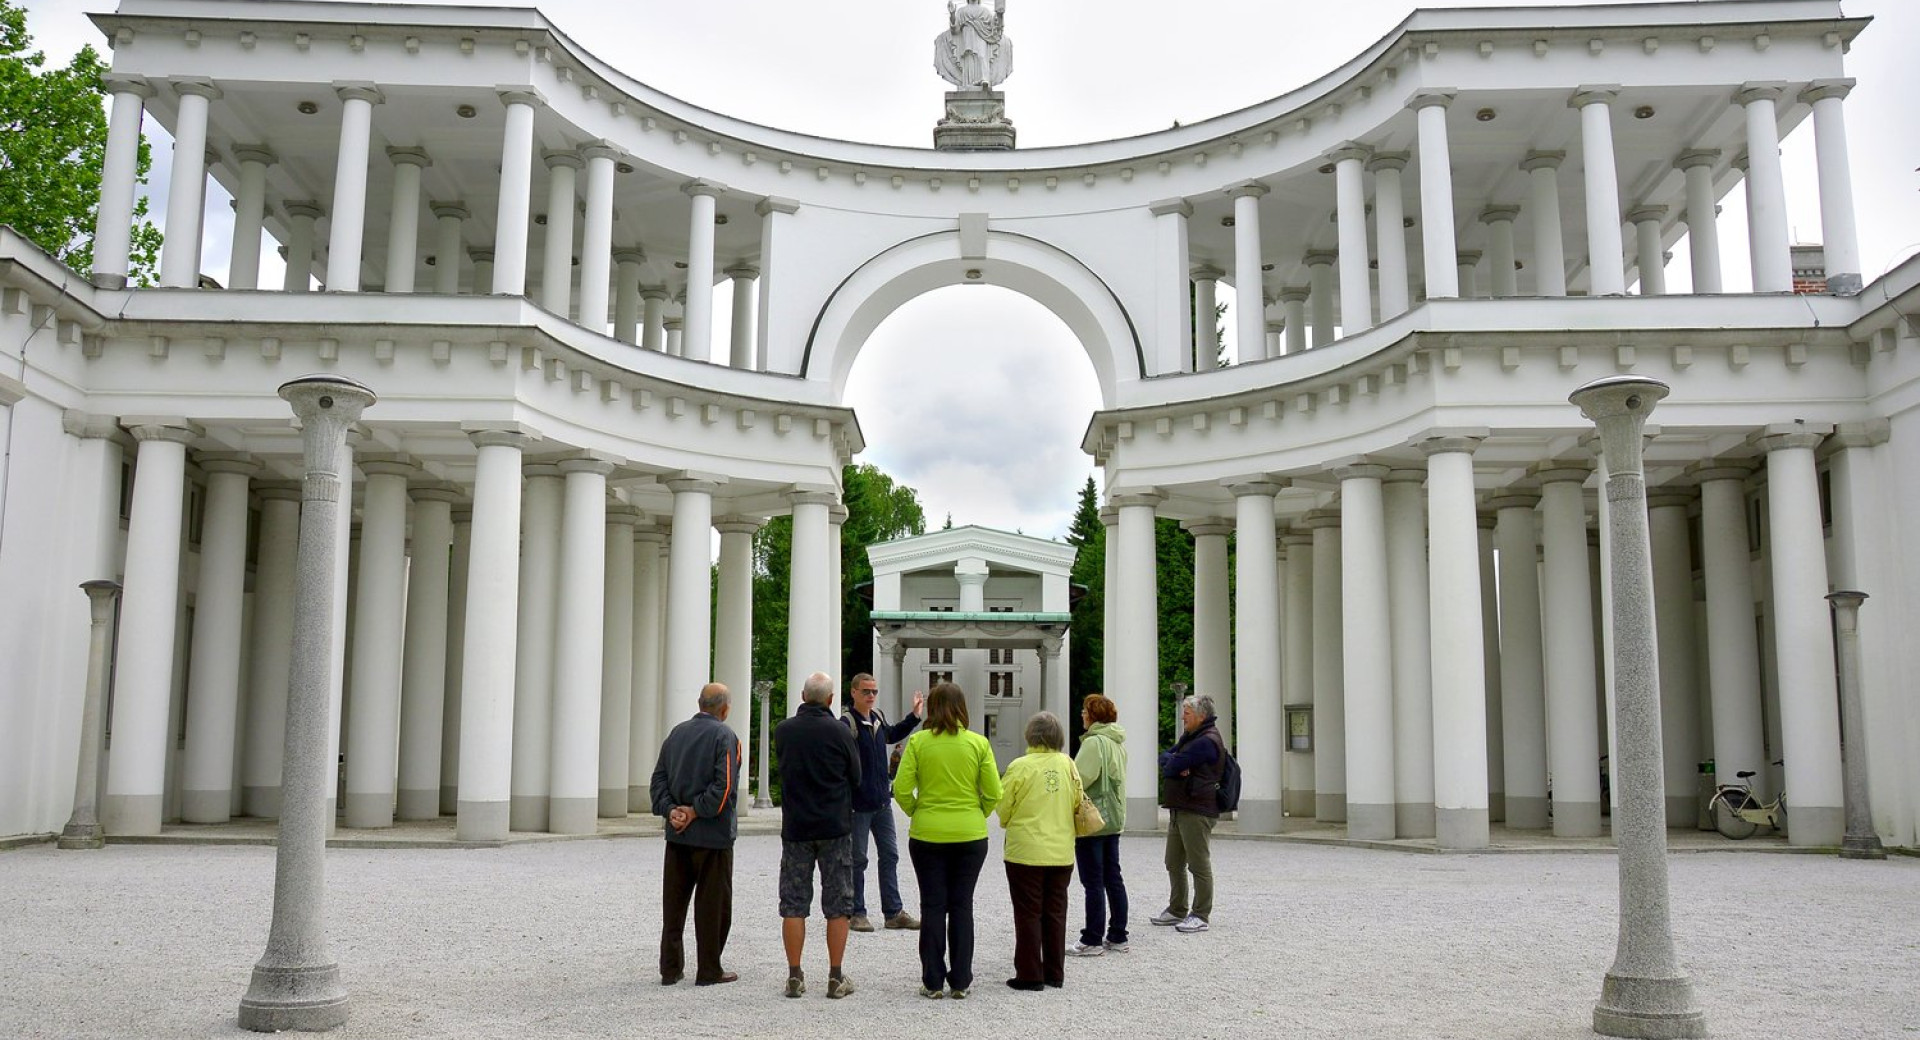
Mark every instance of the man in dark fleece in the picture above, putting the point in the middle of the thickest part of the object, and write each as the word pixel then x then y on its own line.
pixel 819 770
pixel 694 786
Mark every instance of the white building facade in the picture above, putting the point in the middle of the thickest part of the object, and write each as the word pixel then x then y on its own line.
pixel 515 245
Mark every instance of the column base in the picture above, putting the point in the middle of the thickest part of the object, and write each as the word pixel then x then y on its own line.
pixel 1576 819
pixel 308 998
pixel 1259 816
pixel 420 805
pixel 1413 819
pixel 639 800
pixel 1330 808
pixel 370 811
pixel 1649 1009
pixel 140 814
pixel 1370 822
pixel 1527 813
pixel 1853 846
pixel 573 815
pixel 1811 827
pixel 449 799
pixel 91 836
pixel 1297 803
pixel 1461 828
pixel 261 803
pixel 206 806
pixel 527 812
pixel 613 803
pixel 1143 814
pixel 1497 806
pixel 1843 284
pixel 480 821
pixel 103 280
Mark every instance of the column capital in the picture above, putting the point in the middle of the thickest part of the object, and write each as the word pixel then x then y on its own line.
pixel 557 159
pixel 386 464
pixel 746 525
pixel 804 495
pixel 775 204
pixel 1358 467
pixel 1822 89
pixel 542 469
pixel 1109 516
pixel 1466 257
pixel 1320 520
pixel 620 514
pixel 1542 160
pixel 837 515
pixel 1783 436
pixel 359 90
pixel 516 94
pixel 436 491
pixel 1395 161
pixel 1275 327
pixel 277 490
pixel 707 188
pixel 1721 469
pixel 1293 539
pixel 121 83
pixel 645 534
pixel 589 462
pixel 1406 475
pixel 671 324
pixel 1561 471
pixel 1123 498
pixel 409 157
pixel 1249 189
pixel 1759 90
pixel 1251 487
pixel 1499 214
pixel 653 292
pixel 197 88
pixel 236 462
pixel 307 208
pixel 1868 434
pixel 1668 496
pixel 1208 527
pixel 456 210
pixel 1320 257
pixel 1348 151
pixel 1294 294
pixel 500 435
pixel 1431 97
pixel 1440 441
pixel 1171 207
pixel 1739 160
pixel 636 255
pixel 254 153
pixel 162 428
pixel 1593 94
pixel 742 271
pixel 692 480
pixel 1513 498
pixel 480 256
pixel 601 149
pixel 88 426
pixel 1687 160
pixel 1644 214
pixel 1204 272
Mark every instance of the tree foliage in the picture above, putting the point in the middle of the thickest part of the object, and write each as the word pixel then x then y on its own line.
pixel 1086 660
pixel 53 141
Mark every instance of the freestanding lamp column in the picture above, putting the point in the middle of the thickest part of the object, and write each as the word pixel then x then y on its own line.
pixel 1861 841
pixel 763 798
pixel 1645 993
pixel 83 828
pixel 296 984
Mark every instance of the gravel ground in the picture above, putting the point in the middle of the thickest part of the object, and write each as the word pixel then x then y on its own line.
pixel 559 940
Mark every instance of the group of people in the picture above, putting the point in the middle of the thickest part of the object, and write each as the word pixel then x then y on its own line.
pixel 834 798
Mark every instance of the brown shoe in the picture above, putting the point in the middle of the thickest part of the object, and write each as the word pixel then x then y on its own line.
pixel 905 921
pixel 725 977
pixel 859 923
pixel 671 980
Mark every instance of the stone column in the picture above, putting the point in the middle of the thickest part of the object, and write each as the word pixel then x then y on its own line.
pixel 1703 225
pixel 1320 295
pixel 1673 614
pixel 648 625
pixel 1732 645
pixel 1549 246
pixel 149 612
pixel 1803 636
pixel 1249 303
pixel 836 530
pixel 1212 650
pixel 1505 282
pixel 626 295
pixel 249 214
pixel 1293 303
pixel 556 269
pixel 1606 256
pixel 1466 262
pixel 580 645
pixel 1329 675
pixel 301 215
pixel 1206 284
pixel 489 660
pixel 1135 681
pixel 482 260
pixel 1436 193
pixel 540 519
pixel 670 709
pixel 1296 669
pixel 113 224
pixel 1490 653
pixel 776 250
pixel 1256 657
pixel 213 690
pixel 186 194
pixel 449 218
pixel 83 829
pixel 348 227
pixel 653 334
pixel 1649 251
pixel 459 565
pixel 1275 330
pixel 697 340
pixel 1459 669
pixel 1573 754
pixel 1768 239
pixel 596 236
pixel 1109 598
pixel 688 649
pixel 272 642
pixel 741 339
pixel 1390 231
pixel 1173 324
pixel 516 193
pixel 733 619
pixel 1411 651
pixel 616 672
pixel 1350 191
pixel 1841 236
pixel 1366 651
pixel 1861 841
pixel 676 342
pixel 373 724
pixel 1523 706
pixel 403 224
pixel 423 668
pixel 807 626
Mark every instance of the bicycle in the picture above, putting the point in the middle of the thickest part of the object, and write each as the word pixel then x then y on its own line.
pixel 1738 812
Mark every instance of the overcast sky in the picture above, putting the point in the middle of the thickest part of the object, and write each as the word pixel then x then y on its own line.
pixel 977 397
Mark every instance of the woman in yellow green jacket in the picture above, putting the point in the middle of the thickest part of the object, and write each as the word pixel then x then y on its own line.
pixel 1042 790
pixel 947 784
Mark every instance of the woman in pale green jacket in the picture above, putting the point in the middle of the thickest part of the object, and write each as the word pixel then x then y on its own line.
pixel 1042 790
pixel 1103 768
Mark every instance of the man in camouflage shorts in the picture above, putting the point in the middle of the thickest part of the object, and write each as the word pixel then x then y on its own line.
pixel 819 768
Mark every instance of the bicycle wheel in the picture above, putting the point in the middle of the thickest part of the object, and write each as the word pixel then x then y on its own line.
pixel 1729 822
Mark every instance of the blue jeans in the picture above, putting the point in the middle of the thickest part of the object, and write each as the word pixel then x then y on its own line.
pixel 1099 861
pixel 879 823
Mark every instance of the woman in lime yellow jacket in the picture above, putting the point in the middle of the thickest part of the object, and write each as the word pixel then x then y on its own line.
pixel 1042 790
pixel 947 784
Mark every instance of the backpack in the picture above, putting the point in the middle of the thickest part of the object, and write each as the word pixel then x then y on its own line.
pixel 1228 794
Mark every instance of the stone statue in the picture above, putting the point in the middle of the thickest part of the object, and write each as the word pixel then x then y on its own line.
pixel 974 53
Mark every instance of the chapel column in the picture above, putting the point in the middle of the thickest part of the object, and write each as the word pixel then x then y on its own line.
pixel 1606 256
pixel 482 260
pixel 348 226
pixel 1837 227
pixel 1505 281
pixel 676 340
pixel 807 627
pixel 741 338
pixel 113 223
pixel 539 557
pixel 380 588
pixel 490 650
pixel 1523 705
pixel 1466 263
pixel 1206 287
pixel 697 339
pixel 1256 657
pixel 1329 675
pixel 836 531
pixel 301 217
pixel 573 804
pixel 648 629
pixel 423 666
pixel 1135 684
pixel 1366 650
pixel 626 295
pixel 1320 295
pixel 1573 756
pixel 459 564
pixel 1768 238
pixel 186 192
pixel 1543 203
pixel 1390 231
pixel 1732 641
pixel 1436 193
pixel 516 193
pixel 596 236
pixel 777 253
pixel 1673 618
pixel 733 619
pixel 213 692
pixel 1296 670
pixel 1109 597
pixel 556 268
pixel 1648 251
pixel 1490 653
pixel 1293 304
pixel 1459 669
pixel 1173 327
pixel 1703 224
pixel 403 222
pixel 1212 651
pixel 449 219
pixel 268 667
pixel 1350 192
pixel 249 215
pixel 149 614
pixel 1249 303
pixel 1405 505
pixel 653 329
pixel 688 642
pixel 616 672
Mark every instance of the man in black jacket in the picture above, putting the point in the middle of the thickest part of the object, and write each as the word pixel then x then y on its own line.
pixel 873 802
pixel 819 770
pixel 1191 778
pixel 694 786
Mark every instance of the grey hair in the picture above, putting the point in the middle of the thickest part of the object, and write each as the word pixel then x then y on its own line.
pixel 1200 703
pixel 713 697
pixel 1043 730
pixel 818 689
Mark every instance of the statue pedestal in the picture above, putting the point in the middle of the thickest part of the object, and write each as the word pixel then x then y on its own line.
pixel 976 121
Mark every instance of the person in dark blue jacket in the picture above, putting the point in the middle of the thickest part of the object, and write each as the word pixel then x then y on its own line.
pixel 695 784
pixel 873 802
pixel 819 771
pixel 1190 773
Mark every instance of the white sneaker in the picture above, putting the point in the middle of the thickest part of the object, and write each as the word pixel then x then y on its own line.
pixel 1191 925
pixel 1166 917
pixel 1081 949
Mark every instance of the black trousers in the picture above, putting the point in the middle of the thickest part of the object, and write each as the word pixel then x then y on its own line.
pixel 703 877
pixel 1039 922
pixel 948 872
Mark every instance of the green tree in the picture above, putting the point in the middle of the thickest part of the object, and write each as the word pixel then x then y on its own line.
pixel 53 140
pixel 1173 552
